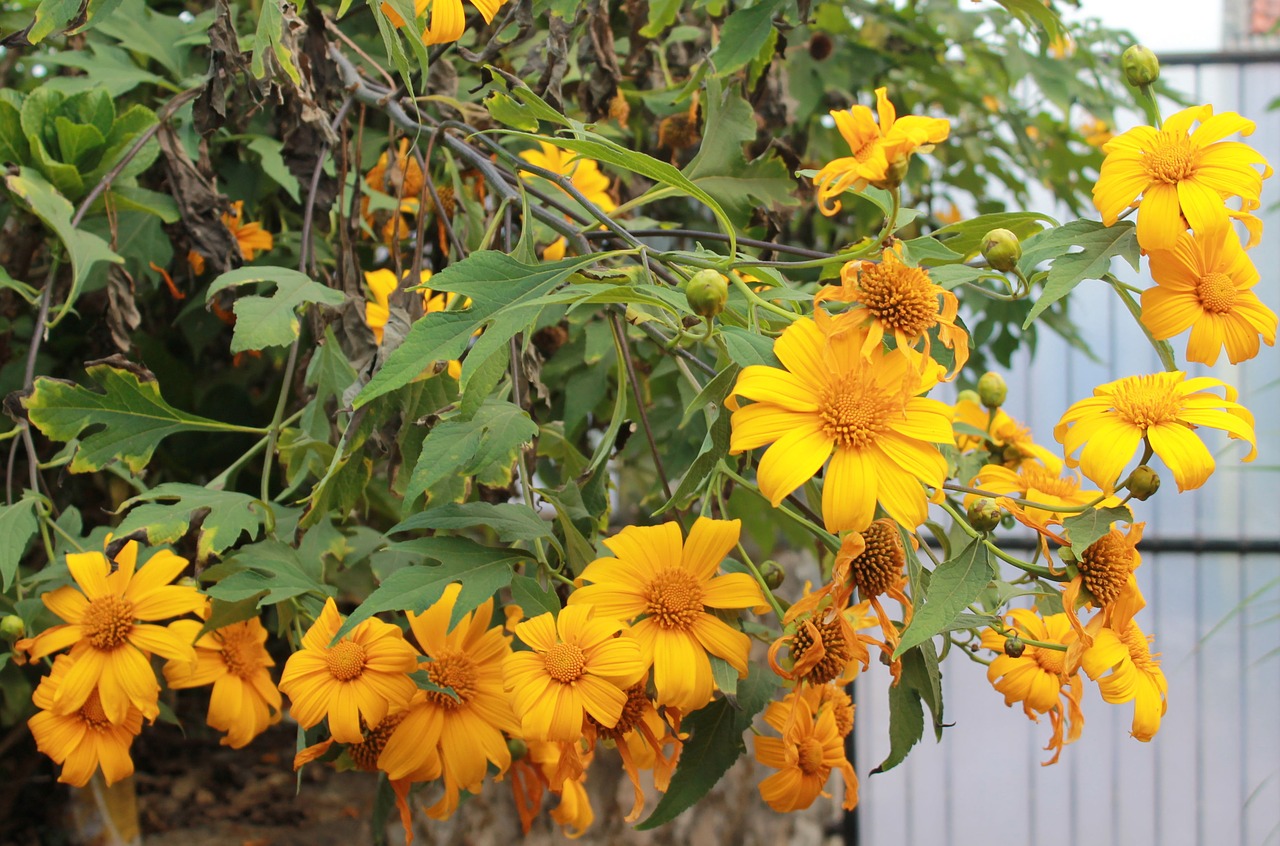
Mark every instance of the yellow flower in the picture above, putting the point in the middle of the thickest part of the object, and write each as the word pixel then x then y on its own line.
pixel 111 648
pixel 832 402
pixel 1096 132
pixel 244 701
pixel 640 736
pixel 574 814
pixel 465 732
pixel 83 739
pixel 382 284
pixel 578 665
pixel 821 641
pixel 1163 409
pixel 584 174
pixel 1039 678
pixel 1204 282
pixel 811 747
pixel 361 679
pixel 448 18
pixel 673 582
pixel 1010 441
pixel 400 178
pixel 1181 176
pixel 1120 661
pixel 1035 482
pixel 875 147
pixel 251 237
pixel 897 300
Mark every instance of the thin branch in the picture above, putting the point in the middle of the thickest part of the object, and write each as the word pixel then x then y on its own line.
pixel 721 237
pixel 624 350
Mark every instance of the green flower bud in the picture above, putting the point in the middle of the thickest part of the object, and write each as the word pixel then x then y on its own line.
pixel 1002 249
pixel 518 748
pixel 984 514
pixel 12 627
pixel 992 390
pixel 1140 65
pixel 188 581
pixel 1142 482
pixel 968 395
pixel 773 574
pixel 707 292
pixel 1014 647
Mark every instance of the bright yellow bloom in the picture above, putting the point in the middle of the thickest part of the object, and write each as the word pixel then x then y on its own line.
pixel 578 665
pixel 250 237
pixel 673 583
pixel 832 402
pixel 448 18
pixel 234 659
pixel 464 733
pixel 1204 283
pixel 361 679
pixel 811 747
pixel 111 648
pixel 896 300
pixel 877 149
pixel 400 178
pixel 1040 678
pixel 1125 670
pixel 584 174
pixel 1163 409
pixel 1035 482
pixel 1009 441
pixel 382 284
pixel 1182 176
pixel 84 739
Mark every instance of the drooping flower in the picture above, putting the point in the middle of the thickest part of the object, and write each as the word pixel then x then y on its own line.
pixel 110 646
pixel 1035 482
pixel 1204 282
pixel 251 237
pixel 1163 409
pixel 448 17
pixel 359 680
pixel 641 737
pixel 832 402
pixel 876 148
pixel 1120 661
pixel 1009 442
pixel 465 730
pixel 234 659
pixel 574 814
pixel 579 663
pixel 810 748
pixel 896 300
pixel 82 740
pixel 1040 678
pixel 821 643
pixel 673 582
pixel 1181 176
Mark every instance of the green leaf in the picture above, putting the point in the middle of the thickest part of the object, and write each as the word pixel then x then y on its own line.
pixel 76 140
pixel 481 570
pixel 906 723
pixel 954 585
pixel 1099 245
pixel 495 282
pixel 747 347
pixel 55 211
pixel 18 524
pixel 422 679
pixel 166 512
pixel 965 237
pixel 715 446
pixel 505 109
pixel 744 33
pixel 271 321
pixel 662 14
pixel 533 598
pixel 268 151
pixel 13 143
pixel 1085 528
pixel 1033 13
pixel 132 416
pixel 511 522
pixel 52 16
pixel 270 568
pixel 269 36
pixel 485 446
pixel 165 38
pixel 106 66
pixel 715 744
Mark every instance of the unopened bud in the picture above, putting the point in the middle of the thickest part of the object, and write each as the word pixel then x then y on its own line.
pixel 1143 482
pixel 984 514
pixel 1002 249
pixel 992 389
pixel 1014 647
pixel 773 574
pixel 518 748
pixel 969 395
pixel 707 292
pixel 12 627
pixel 1140 66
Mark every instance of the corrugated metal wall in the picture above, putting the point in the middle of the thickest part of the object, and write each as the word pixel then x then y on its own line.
pixel 1212 775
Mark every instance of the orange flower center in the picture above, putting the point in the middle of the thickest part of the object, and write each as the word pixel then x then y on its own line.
pixel 365 753
pixel 1041 479
pixel 1172 160
pixel 346 661
pixel 455 671
pixel 1139 649
pixel 809 756
pixel 839 703
pixel 91 713
pixel 853 412
pixel 836 653
pixel 879 567
pixel 107 622
pixel 1217 293
pixel 1146 401
pixel 864 152
pixel 1106 565
pixel 565 662
pixel 900 297
pixel 633 712
pixel 675 599
pixel 240 653
pixel 1052 661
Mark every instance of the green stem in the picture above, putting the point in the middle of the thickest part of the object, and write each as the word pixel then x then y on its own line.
pixel 868 247
pixel 1162 348
pixel 1026 503
pixel 1152 106
pixel 828 539
pixel 759 302
pixel 764 587
pixel 1026 566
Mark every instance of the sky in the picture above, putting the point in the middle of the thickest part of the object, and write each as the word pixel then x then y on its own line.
pixel 1162 25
